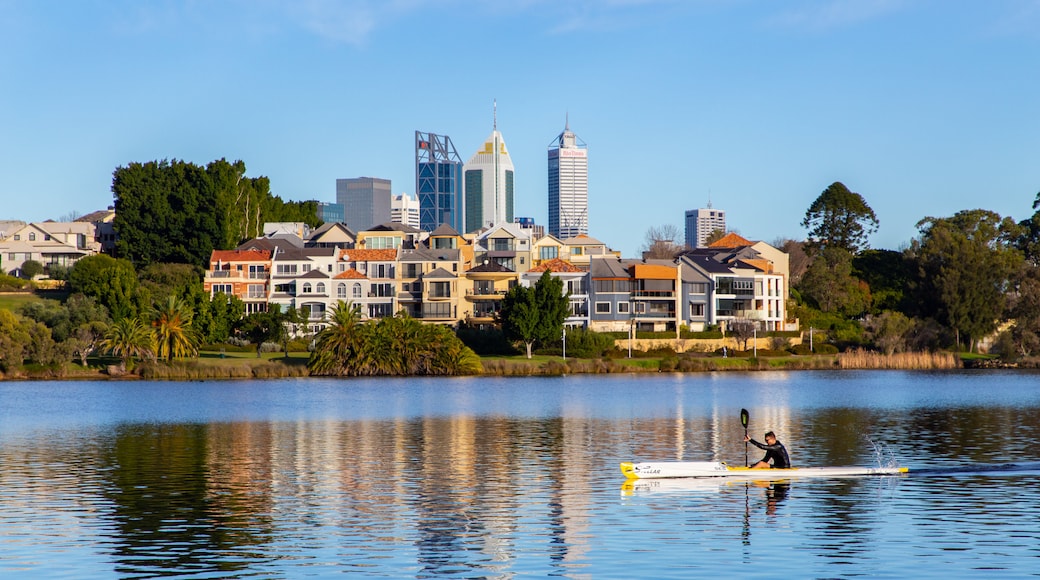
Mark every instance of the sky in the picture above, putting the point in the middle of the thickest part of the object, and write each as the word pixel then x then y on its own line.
pixel 924 107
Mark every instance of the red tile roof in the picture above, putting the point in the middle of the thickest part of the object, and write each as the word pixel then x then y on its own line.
pixel 730 240
pixel 350 274
pixel 556 265
pixel 240 256
pixel 361 255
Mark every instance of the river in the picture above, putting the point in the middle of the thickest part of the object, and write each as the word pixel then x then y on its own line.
pixel 518 477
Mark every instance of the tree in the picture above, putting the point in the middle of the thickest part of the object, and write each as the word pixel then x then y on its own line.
pixel 14 338
pixel 830 285
pixel 1028 239
pixel 339 342
pixel 129 338
pixel 965 263
pixel 261 327
pixel 742 330
pixel 110 281
pixel 174 335
pixel 715 236
pixel 31 269
pixel 839 218
pixel 662 242
pixel 889 275
pixel 889 331
pixel 536 314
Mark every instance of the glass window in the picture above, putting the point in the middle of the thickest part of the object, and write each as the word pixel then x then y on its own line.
pixel 357 290
pixel 320 289
pixel 307 287
pixel 603 308
pixel 341 290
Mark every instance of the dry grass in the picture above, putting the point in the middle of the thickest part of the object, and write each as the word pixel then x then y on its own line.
pixel 862 359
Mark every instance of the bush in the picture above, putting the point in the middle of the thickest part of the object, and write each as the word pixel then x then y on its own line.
pixel 486 341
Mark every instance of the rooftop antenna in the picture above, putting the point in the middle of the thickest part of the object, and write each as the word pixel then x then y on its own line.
pixel 494 120
pixel 709 199
pixel 567 122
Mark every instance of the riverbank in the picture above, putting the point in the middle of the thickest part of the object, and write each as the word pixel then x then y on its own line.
pixel 215 365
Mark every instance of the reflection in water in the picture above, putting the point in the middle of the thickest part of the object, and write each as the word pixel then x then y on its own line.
pixel 468 489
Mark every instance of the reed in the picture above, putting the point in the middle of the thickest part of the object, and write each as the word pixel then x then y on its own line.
pixel 864 359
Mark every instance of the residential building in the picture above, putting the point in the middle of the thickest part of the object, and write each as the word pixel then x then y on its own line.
pixel 701 223
pixel 365 201
pixel 330 213
pixel 634 295
pixel 568 185
pixel 546 248
pixel 388 236
pixel 429 284
pixel 331 235
pixel 438 182
pixel 579 250
pixel 485 287
pixel 244 273
pixel 368 279
pixel 49 243
pixel 505 244
pixel 489 184
pixel 404 209
pixel 104 228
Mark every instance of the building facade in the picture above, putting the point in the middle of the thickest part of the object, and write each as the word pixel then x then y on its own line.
pixel 701 223
pixel 489 184
pixel 331 213
pixel 404 209
pixel 438 182
pixel 365 201
pixel 568 185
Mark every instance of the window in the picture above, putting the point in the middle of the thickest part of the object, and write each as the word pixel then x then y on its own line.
pixel 286 269
pixel 622 308
pixel 257 291
pixel 257 271
pixel 548 252
pixel 440 289
pixel 320 289
pixel 603 308
pixel 307 287
pixel 380 271
pixel 357 290
pixel 576 251
pixel 698 288
pixel 697 309
pixel 32 236
pixel 222 289
pixel 341 290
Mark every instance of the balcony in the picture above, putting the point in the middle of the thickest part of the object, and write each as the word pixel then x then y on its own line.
pixel 653 294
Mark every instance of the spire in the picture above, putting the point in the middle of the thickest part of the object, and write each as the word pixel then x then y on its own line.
pixel 494 120
pixel 567 122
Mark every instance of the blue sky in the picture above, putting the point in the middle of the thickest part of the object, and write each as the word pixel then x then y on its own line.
pixel 925 107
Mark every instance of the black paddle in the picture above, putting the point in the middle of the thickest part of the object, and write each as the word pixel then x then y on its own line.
pixel 744 421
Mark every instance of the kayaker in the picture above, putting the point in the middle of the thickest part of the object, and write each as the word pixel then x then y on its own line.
pixel 775 452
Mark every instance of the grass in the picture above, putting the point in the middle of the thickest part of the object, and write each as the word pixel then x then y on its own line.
pixel 14 300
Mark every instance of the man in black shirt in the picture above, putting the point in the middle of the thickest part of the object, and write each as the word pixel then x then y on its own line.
pixel 775 452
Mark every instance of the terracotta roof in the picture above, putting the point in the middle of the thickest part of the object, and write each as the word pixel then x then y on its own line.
pixel 240 256
pixel 360 255
pixel 730 240
pixel 763 265
pixel 350 274
pixel 556 265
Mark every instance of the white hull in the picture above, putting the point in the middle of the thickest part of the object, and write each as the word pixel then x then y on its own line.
pixel 665 469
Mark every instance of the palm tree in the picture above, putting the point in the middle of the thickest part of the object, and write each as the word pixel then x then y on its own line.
pixel 128 338
pixel 174 334
pixel 337 347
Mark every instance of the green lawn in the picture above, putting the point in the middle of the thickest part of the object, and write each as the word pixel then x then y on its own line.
pixel 13 300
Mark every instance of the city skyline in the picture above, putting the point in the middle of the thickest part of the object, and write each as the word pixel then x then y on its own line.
pixel 922 108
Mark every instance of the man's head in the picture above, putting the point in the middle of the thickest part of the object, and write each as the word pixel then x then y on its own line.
pixel 770 438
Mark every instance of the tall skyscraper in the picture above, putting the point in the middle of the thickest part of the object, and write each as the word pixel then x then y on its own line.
pixel 701 223
pixel 489 183
pixel 404 209
pixel 438 182
pixel 568 185
pixel 365 201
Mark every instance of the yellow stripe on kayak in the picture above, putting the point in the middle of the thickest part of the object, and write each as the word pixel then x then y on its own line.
pixel 628 469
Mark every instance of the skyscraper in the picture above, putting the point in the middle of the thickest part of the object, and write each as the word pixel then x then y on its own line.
pixel 365 201
pixel 568 185
pixel 438 182
pixel 489 183
pixel 404 209
pixel 701 223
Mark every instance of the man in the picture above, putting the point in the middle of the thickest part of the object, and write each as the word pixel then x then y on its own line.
pixel 775 452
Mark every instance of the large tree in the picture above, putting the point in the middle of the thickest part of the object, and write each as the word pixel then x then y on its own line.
pixel 829 284
pixel 662 242
pixel 965 264
pixel 839 218
pixel 110 281
pixel 179 212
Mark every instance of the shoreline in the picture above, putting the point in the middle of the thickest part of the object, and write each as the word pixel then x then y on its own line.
pixel 212 366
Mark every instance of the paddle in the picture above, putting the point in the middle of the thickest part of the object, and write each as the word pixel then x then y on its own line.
pixel 744 421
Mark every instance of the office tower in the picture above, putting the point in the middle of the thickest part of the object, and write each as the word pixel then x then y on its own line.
pixel 701 223
pixel 365 200
pixel 489 183
pixel 404 209
pixel 330 213
pixel 568 185
pixel 438 182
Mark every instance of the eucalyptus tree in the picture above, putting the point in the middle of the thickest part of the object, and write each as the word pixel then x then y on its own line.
pixel 839 218
pixel 965 264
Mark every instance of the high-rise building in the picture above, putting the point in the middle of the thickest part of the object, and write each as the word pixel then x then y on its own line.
pixel 489 183
pixel 701 223
pixel 365 201
pixel 438 182
pixel 568 185
pixel 330 213
pixel 404 209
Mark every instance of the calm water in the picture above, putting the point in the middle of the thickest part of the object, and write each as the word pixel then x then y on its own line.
pixel 517 477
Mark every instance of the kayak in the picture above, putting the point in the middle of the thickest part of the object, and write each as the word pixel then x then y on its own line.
pixel 665 469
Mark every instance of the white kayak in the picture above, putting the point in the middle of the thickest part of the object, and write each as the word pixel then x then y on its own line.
pixel 664 469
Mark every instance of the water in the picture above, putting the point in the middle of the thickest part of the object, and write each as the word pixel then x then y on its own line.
pixel 517 477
